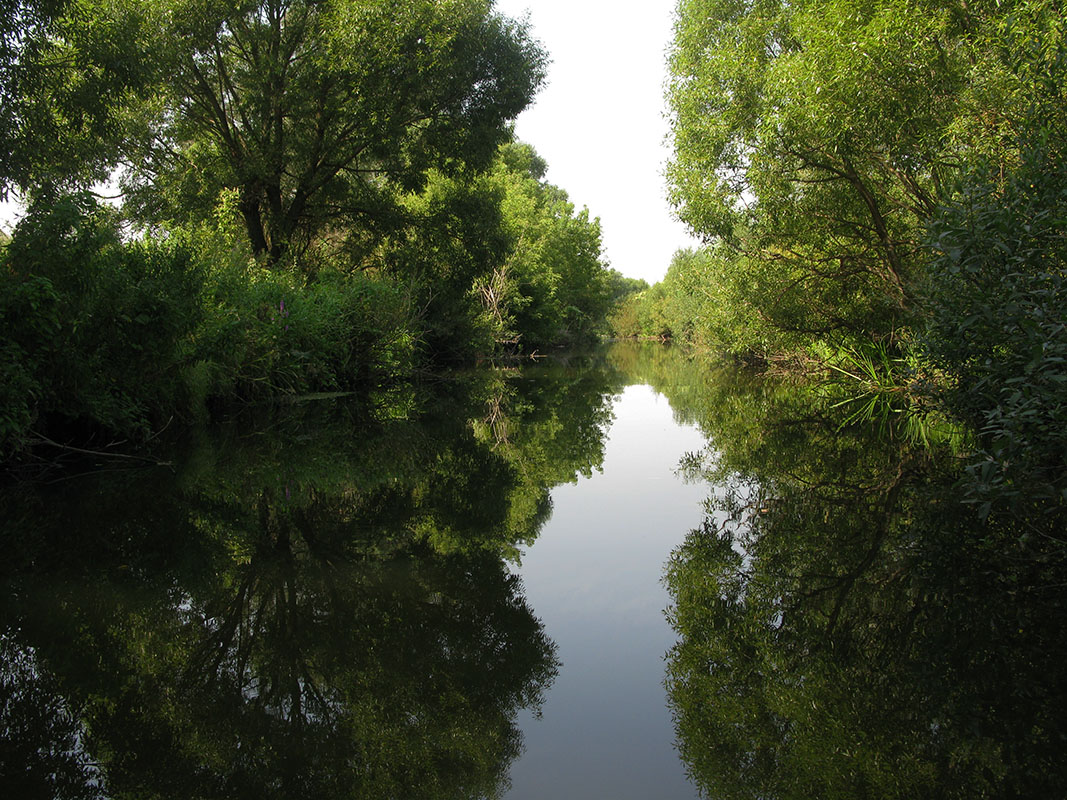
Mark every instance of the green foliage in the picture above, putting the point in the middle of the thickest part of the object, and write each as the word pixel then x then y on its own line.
pixel 645 314
pixel 807 134
pixel 316 113
pixel 99 333
pixel 998 329
pixel 28 319
pixel 996 332
pixel 500 260
pixel 268 333
pixel 94 329
pixel 121 335
pixel 322 194
pixel 455 237
pixel 553 282
pixel 706 299
pixel 69 73
pixel 818 139
pixel 620 287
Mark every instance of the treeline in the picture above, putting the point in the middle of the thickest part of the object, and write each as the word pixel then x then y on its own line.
pixel 316 196
pixel 881 191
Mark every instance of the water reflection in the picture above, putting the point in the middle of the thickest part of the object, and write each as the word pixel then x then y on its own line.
pixel 320 608
pixel 319 602
pixel 847 628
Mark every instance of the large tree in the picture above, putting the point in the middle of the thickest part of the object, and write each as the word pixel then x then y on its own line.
pixel 309 112
pixel 818 137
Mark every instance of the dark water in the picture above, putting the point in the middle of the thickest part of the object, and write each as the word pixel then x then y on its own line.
pixel 459 592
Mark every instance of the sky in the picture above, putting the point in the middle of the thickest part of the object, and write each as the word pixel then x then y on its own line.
pixel 599 122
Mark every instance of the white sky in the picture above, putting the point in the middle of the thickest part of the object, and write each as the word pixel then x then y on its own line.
pixel 599 121
pixel 9 210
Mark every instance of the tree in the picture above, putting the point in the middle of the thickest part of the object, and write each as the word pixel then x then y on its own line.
pixel 555 271
pixel 818 138
pixel 997 327
pixel 620 286
pixel 68 72
pixel 500 259
pixel 314 113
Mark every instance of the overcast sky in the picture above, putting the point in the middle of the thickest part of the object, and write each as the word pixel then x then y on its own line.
pixel 599 121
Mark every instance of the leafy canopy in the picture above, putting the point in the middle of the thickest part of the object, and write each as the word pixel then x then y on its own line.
pixel 819 137
pixel 316 112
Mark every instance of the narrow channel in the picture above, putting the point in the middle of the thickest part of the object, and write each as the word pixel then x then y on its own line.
pixel 594 578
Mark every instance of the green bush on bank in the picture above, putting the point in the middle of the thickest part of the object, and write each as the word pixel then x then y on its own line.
pixel 92 327
pixel 997 327
pixel 268 332
pixel 110 332
pixel 99 334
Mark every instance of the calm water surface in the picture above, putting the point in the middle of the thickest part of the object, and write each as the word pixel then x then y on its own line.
pixel 619 575
pixel 595 578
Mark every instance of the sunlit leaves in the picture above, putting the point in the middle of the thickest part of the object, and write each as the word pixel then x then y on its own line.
pixel 68 72
pixel 819 137
pixel 317 112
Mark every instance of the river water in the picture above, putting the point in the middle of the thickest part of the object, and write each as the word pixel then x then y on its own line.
pixel 622 574
pixel 594 575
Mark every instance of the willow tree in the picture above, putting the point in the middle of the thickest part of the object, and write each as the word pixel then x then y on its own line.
pixel 307 114
pixel 818 138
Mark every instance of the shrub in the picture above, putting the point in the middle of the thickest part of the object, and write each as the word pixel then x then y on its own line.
pixel 998 327
pixel 94 328
pixel 269 332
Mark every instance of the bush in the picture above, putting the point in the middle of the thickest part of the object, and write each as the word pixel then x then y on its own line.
pixel 101 334
pixel 998 327
pixel 94 328
pixel 269 332
pixel 28 319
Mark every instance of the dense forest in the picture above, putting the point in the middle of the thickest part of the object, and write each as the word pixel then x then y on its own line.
pixel 316 197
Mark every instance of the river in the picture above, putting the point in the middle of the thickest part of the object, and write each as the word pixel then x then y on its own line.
pixel 622 574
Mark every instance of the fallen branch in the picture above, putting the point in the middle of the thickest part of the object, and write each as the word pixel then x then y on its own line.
pixel 42 439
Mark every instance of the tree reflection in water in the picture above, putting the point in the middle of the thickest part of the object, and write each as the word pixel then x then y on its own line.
pixel 322 606
pixel 848 628
pixel 323 611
